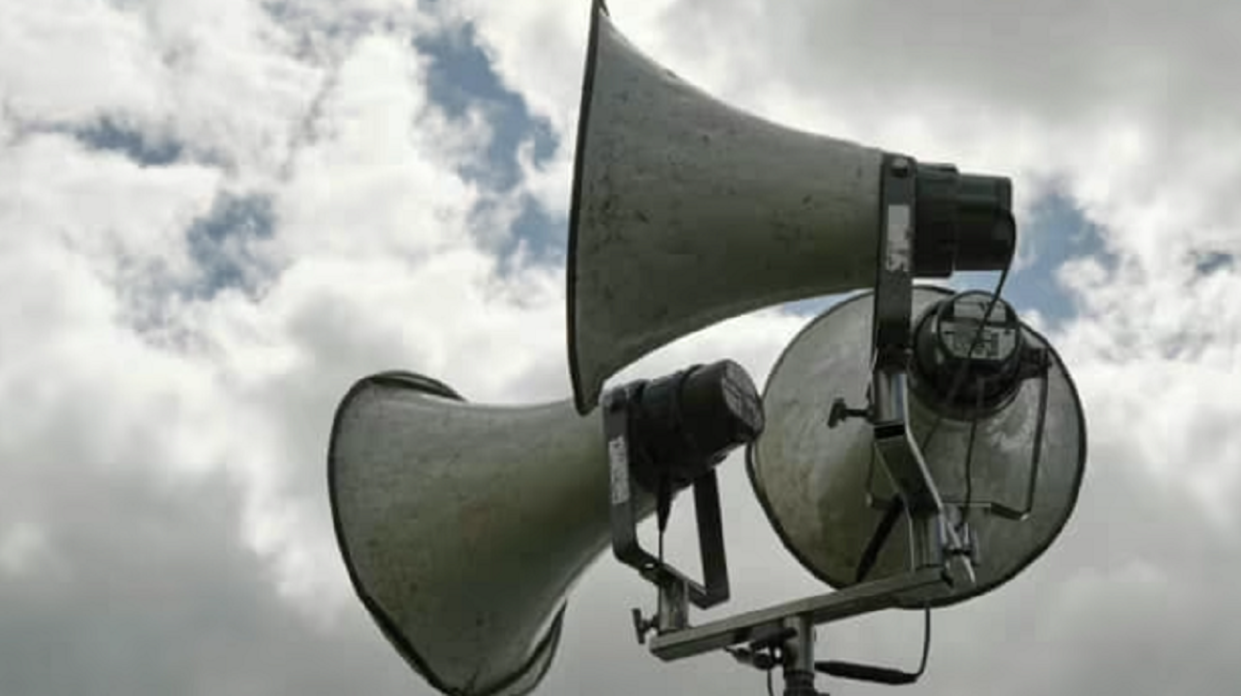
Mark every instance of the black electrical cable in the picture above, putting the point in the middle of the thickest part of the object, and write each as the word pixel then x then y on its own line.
pixel 883 531
pixel 886 524
pixel 870 554
pixel 882 675
pixel 926 641
pixel 958 380
pixel 969 460
pixel 765 659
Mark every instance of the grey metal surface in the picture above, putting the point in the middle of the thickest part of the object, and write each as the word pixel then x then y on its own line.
pixel 763 624
pixel 464 527
pixel 813 480
pixel 687 211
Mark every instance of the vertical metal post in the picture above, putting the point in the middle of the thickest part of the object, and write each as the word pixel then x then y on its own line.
pixel 799 657
pixel 673 605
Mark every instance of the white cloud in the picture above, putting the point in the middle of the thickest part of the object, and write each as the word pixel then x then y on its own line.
pixel 66 62
pixel 163 488
pixel 113 371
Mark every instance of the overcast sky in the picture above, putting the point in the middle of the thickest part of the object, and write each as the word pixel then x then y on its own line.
pixel 215 215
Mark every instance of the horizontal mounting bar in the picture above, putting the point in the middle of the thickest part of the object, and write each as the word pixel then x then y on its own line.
pixel 765 623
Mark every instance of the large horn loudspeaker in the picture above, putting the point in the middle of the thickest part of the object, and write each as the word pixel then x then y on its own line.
pixel 464 526
pixel 1007 452
pixel 687 211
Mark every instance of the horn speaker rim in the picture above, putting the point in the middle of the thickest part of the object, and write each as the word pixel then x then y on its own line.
pixel 955 598
pixel 598 9
pixel 545 651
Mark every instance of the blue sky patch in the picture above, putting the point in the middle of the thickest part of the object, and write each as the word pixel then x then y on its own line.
pixel 460 78
pixel 1214 262
pixel 546 238
pixel 218 241
pixel 110 136
pixel 1056 232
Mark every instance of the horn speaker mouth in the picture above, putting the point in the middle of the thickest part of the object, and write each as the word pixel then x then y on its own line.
pixel 598 9
pixel 527 675
pixel 812 481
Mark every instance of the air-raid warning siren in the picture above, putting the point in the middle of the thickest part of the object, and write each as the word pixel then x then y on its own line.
pixel 916 447
pixel 687 211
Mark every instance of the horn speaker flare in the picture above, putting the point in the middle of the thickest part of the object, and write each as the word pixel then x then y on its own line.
pixel 687 211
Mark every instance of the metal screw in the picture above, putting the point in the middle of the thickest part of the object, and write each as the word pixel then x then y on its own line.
pixel 841 412
pixel 642 626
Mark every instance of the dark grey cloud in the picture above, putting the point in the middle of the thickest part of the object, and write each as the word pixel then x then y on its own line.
pixel 141 583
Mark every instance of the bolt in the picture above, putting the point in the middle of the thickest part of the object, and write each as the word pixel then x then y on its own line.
pixel 642 626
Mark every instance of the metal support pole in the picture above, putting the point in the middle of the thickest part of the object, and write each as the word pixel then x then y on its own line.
pixel 799 658
pixel 673 606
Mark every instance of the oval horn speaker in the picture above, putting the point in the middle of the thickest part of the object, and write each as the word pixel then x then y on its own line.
pixel 464 526
pixel 687 211
pixel 827 495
